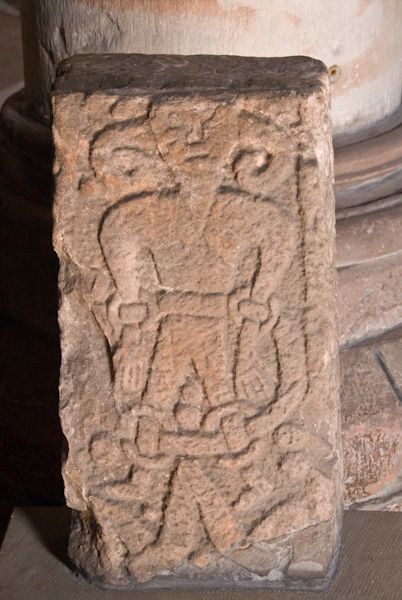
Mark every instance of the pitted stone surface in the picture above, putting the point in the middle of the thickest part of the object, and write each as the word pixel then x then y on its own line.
pixel 371 398
pixel 194 223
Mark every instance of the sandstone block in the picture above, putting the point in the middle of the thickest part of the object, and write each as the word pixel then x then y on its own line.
pixel 194 223
pixel 371 396
pixel 370 299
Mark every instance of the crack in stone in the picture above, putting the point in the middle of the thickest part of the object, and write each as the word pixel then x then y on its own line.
pixel 388 374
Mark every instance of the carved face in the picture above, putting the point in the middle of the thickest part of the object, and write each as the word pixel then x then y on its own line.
pixel 194 141
pixel 124 156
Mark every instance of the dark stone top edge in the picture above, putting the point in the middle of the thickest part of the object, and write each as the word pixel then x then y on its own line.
pixel 136 74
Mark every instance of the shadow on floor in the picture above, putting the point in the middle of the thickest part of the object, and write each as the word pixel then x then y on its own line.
pixel 30 433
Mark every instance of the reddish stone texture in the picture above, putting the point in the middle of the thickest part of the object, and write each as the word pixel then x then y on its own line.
pixel 372 425
pixel 369 260
pixel 194 222
pixel 369 236
pixel 370 298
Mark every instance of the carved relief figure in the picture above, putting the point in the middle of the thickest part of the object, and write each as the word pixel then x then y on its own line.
pixel 195 228
pixel 191 321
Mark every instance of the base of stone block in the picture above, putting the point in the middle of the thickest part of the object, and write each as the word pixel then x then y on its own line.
pixel 179 581
pixel 33 564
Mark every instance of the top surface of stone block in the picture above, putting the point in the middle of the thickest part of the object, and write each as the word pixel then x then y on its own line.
pixel 136 73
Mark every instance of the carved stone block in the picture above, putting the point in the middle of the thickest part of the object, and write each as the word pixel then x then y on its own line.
pixel 194 223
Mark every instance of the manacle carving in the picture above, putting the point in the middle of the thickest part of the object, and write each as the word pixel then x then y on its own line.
pixel 188 273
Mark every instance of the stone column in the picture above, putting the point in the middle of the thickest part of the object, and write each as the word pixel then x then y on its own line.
pixel 194 223
pixel 366 73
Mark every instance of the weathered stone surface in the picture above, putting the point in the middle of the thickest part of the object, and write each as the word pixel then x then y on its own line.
pixel 194 222
pixel 371 402
pixel 369 260
pixel 370 298
pixel 369 236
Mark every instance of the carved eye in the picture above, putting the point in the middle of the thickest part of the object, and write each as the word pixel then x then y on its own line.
pixel 123 160
pixel 123 151
pixel 249 164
